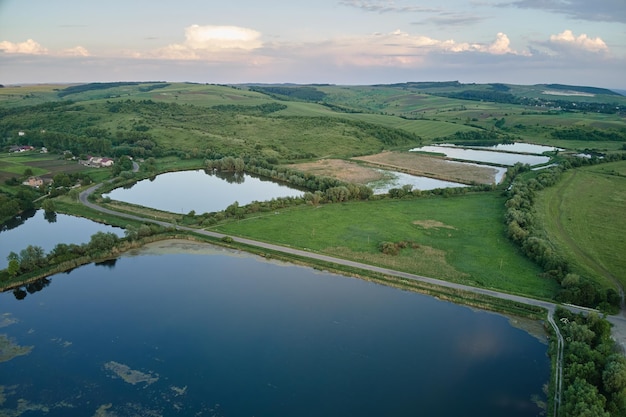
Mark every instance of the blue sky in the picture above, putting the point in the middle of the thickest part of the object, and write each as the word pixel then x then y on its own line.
pixel 324 41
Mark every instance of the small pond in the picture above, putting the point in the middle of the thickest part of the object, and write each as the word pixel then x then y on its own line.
pixel 184 191
pixel 47 230
pixel 517 147
pixel 394 179
pixel 490 157
pixel 227 334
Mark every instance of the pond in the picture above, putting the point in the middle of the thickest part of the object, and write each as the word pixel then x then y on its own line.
pixel 39 229
pixel 490 157
pixel 394 179
pixel 184 191
pixel 226 334
pixel 517 147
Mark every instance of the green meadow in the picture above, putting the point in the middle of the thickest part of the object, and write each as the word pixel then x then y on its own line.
pixel 584 216
pixel 459 239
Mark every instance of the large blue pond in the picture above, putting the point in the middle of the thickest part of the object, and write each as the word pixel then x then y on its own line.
pixel 226 334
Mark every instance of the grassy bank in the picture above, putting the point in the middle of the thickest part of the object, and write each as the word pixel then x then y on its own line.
pixel 584 216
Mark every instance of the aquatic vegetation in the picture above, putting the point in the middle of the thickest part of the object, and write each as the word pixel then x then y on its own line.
pixel 129 375
pixel 9 349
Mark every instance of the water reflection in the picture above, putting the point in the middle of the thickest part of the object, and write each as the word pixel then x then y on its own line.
pixel 517 147
pixel 21 292
pixel 490 157
pixel 37 228
pixel 183 333
pixel 394 179
pixel 202 191
pixel 18 220
pixel 50 216
pixel 109 263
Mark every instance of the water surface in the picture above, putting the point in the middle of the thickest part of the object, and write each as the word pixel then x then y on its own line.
pixel 517 147
pixel 491 157
pixel 47 230
pixel 395 179
pixel 184 191
pixel 226 334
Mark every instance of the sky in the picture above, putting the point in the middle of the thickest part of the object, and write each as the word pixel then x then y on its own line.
pixel 348 42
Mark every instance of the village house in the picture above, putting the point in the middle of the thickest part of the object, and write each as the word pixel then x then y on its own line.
pixel 21 148
pixel 98 162
pixel 34 182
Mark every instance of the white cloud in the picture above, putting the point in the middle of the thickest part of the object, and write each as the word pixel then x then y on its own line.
pixel 403 49
pixel 205 41
pixel 76 51
pixel 29 47
pixel 502 45
pixel 568 40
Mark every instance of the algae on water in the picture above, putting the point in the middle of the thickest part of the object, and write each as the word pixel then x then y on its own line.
pixel 9 349
pixel 130 376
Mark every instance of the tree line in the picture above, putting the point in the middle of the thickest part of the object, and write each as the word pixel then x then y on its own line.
pixel 33 259
pixel 522 229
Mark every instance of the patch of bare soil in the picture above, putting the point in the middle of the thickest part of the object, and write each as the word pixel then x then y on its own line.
pixel 433 167
pixel 432 224
pixel 342 170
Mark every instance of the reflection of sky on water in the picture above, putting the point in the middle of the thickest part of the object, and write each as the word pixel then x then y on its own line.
pixel 396 179
pixel 513 147
pixel 492 157
pixel 38 231
pixel 181 192
pixel 182 333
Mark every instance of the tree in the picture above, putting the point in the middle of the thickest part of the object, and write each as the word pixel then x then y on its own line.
pixel 583 400
pixel 614 375
pixel 74 193
pixel 62 180
pixel 48 206
pixel 101 241
pixel 32 258
pixel 14 267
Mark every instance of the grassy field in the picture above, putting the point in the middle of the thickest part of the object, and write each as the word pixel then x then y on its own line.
pixel 459 238
pixel 584 216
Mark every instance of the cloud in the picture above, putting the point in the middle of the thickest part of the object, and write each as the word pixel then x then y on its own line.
pixel 385 6
pixel 455 19
pixel 597 10
pixel 29 47
pixel 202 42
pixel 440 16
pixel 567 41
pixel 396 49
pixel 76 51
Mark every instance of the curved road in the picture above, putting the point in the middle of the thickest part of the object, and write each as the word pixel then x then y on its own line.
pixel 619 322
